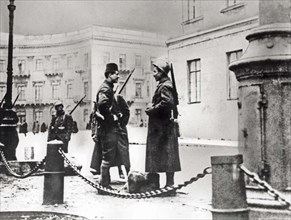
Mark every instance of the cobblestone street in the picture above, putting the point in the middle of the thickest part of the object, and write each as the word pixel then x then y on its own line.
pixel 191 202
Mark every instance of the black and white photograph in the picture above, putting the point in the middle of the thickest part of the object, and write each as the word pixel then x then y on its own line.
pixel 145 109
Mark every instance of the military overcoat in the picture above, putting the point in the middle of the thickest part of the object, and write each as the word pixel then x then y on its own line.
pixel 162 150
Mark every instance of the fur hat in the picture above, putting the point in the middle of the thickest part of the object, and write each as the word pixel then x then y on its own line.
pixel 111 68
pixel 162 65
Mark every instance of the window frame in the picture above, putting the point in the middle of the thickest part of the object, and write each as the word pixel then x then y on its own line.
pixel 197 84
pixel 230 75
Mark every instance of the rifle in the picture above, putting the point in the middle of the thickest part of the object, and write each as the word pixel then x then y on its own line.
pixel 124 84
pixel 3 100
pixel 16 99
pixel 77 105
pixel 175 94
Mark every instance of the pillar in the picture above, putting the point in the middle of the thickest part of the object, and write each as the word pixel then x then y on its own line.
pixel 53 192
pixel 228 189
pixel 264 104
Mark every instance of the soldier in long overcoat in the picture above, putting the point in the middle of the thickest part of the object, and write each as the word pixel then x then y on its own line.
pixel 108 128
pixel 61 126
pixel 162 152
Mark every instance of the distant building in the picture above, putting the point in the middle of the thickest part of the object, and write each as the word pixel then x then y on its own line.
pixel 214 36
pixel 70 65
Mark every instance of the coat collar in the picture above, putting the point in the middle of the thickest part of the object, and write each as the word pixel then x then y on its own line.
pixel 110 84
pixel 164 79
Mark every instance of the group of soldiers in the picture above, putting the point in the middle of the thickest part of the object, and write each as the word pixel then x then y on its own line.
pixel 109 133
pixel 110 117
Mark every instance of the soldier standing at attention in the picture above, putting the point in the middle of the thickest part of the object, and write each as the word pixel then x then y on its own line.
pixel 61 126
pixel 108 127
pixel 162 152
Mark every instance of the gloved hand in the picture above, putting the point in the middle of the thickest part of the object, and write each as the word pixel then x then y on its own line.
pixel 115 118
pixel 149 110
pixel 119 115
pixel 94 137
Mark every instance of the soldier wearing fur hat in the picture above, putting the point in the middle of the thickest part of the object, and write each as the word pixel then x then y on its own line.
pixel 162 152
pixel 61 126
pixel 108 125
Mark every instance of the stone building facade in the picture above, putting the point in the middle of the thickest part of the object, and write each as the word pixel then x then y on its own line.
pixel 71 65
pixel 214 36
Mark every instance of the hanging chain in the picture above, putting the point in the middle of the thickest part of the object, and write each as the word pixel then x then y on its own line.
pixel 18 175
pixel 272 192
pixel 117 193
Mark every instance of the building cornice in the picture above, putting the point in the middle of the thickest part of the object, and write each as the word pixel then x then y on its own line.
pixel 93 33
pixel 237 25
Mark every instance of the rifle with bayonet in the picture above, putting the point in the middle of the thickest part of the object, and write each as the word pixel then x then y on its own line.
pixel 81 100
pixel 16 99
pixel 3 100
pixel 124 84
pixel 176 102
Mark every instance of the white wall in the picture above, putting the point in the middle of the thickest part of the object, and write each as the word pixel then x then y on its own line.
pixel 215 117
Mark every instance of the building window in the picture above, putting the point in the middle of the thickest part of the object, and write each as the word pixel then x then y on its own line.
pixel 138 115
pixel 2 91
pixel 138 89
pixel 55 91
pixel 21 92
pixel 86 60
pixel 38 115
pixel 21 114
pixel 122 61
pixel 231 79
pixel 21 66
pixel 70 62
pixel 138 61
pixel 151 63
pixel 38 92
pixel 56 64
pixel 190 10
pixel 69 90
pixel 86 115
pixel 148 89
pixel 231 2
pixel 106 57
pixel 86 89
pixel 123 93
pixel 2 65
pixel 194 80
pixel 39 64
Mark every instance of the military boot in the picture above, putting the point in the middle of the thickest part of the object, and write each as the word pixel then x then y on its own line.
pixel 170 182
pixel 170 179
pixel 105 174
pixel 105 177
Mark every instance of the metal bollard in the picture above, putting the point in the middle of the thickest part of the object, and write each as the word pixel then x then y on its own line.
pixel 53 192
pixel 228 189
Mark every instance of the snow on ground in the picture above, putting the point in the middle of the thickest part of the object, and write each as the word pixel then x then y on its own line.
pixel 192 202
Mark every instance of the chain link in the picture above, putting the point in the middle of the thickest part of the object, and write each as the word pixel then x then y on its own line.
pixel 272 192
pixel 117 193
pixel 18 175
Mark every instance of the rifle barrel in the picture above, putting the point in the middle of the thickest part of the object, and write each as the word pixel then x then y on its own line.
pixel 77 105
pixel 124 84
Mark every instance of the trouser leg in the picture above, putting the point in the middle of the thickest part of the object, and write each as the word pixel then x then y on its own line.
pixel 127 170
pixel 170 178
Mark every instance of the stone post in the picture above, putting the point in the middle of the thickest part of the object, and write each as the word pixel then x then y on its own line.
pixel 228 189
pixel 264 75
pixel 53 192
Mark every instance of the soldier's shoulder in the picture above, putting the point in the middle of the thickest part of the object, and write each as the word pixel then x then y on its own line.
pixel 68 116
pixel 168 84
